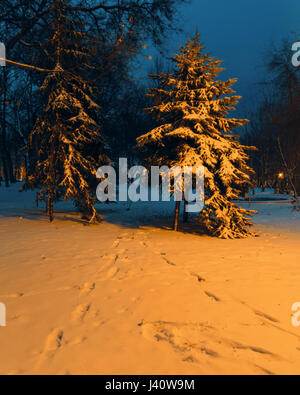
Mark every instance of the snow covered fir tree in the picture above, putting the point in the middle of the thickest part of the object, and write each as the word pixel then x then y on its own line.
pixel 193 108
pixel 66 141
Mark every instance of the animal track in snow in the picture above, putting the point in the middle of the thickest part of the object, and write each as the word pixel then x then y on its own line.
pixel 163 255
pixel 256 350
pixel 266 316
pixel 261 314
pixel 190 359
pixel 198 277
pixel 266 371
pixel 184 338
pixel 212 296
pixel 196 341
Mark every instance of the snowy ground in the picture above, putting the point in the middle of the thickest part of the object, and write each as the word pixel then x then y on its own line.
pixel 132 297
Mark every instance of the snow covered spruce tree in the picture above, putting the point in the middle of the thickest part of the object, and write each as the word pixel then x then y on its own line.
pixel 66 143
pixel 192 107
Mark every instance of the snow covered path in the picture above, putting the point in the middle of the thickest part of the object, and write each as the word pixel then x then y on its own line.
pixel 129 298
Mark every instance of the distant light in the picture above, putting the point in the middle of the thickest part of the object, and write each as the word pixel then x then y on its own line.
pixel 281 176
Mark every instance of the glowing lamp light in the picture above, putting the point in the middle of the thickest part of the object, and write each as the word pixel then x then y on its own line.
pixel 281 176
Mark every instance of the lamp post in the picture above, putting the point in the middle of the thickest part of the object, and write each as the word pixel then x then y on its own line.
pixel 280 177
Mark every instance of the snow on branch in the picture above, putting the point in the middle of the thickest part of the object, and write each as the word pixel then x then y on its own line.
pixel 27 66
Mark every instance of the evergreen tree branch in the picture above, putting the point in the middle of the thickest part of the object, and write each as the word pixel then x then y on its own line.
pixel 27 66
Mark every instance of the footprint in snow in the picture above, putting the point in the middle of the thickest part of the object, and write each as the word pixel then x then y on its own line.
pixel 53 343
pixel 87 288
pixel 79 313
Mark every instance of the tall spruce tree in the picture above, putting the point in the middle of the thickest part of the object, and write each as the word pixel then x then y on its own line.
pixel 193 108
pixel 66 141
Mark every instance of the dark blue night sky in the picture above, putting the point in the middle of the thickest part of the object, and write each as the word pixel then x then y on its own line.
pixel 240 32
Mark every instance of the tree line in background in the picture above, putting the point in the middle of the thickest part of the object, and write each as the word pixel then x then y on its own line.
pixel 274 127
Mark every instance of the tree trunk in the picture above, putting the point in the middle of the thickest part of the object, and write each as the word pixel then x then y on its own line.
pixel 6 158
pixel 176 216
pixel 289 172
pixel 5 173
pixel 185 213
pixel 50 208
